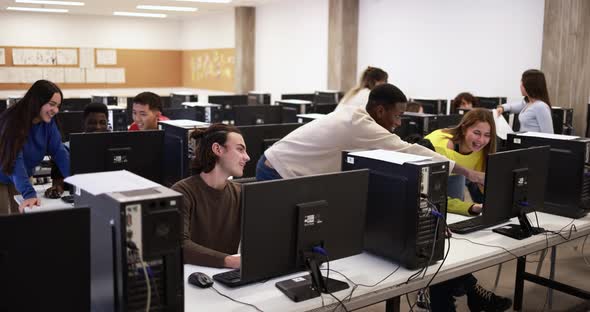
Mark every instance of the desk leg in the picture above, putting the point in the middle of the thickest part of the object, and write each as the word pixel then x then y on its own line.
pixel 392 305
pixel 552 274
pixel 519 283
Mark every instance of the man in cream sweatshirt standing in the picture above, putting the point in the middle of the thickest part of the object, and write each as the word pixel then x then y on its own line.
pixel 316 147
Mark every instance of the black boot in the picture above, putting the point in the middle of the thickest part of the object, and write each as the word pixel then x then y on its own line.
pixel 481 299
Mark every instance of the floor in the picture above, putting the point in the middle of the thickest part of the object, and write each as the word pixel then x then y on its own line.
pixel 571 269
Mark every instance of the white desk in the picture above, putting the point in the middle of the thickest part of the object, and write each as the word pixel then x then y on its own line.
pixel 46 203
pixel 464 257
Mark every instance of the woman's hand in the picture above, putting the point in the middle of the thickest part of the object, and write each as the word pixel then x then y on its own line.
pixel 29 203
pixel 499 110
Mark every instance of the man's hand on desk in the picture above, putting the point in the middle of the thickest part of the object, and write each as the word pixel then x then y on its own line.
pixel 232 261
pixel 29 203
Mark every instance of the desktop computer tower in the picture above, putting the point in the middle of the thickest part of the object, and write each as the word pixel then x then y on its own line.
pixel 179 148
pixel 567 192
pixel 433 106
pixel 327 97
pixel 134 234
pixel 106 100
pixel 176 99
pixel 258 98
pixel 563 120
pixel 399 223
pixel 206 112
pixel 3 105
pixel 118 119
pixel 423 124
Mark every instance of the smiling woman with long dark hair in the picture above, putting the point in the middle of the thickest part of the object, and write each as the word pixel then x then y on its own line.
pixel 27 133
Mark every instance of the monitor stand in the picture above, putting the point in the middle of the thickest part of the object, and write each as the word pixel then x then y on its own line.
pixel 310 286
pixel 519 202
pixel 520 231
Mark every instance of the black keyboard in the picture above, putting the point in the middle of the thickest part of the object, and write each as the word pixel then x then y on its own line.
pixel 468 226
pixel 231 278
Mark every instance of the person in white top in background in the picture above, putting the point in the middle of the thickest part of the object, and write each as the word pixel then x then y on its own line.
pixel 535 110
pixel 359 95
pixel 316 147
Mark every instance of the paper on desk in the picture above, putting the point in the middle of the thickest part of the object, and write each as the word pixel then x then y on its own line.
pixel 502 126
pixel 311 115
pixel 548 135
pixel 110 181
pixel 390 156
pixel 185 123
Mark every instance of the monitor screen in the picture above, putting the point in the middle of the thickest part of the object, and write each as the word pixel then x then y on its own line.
pixel 489 102
pixel 45 261
pixel 69 122
pixel 433 106
pixel 176 99
pixel 189 113
pixel 270 217
pixel 139 152
pixel 260 137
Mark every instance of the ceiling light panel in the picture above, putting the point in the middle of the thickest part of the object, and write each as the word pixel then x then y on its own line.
pixel 137 14
pixel 166 8
pixel 37 10
pixel 51 2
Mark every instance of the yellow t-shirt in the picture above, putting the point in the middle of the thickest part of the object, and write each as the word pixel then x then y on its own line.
pixel 440 140
pixel 473 161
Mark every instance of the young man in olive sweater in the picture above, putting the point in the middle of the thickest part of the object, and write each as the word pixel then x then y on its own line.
pixel 211 213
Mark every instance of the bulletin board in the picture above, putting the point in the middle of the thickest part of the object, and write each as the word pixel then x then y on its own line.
pixel 77 67
pixel 211 69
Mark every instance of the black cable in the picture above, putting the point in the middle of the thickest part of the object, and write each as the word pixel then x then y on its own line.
pixel 237 301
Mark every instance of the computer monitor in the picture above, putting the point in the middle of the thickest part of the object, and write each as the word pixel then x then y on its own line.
pixel 260 137
pixel 45 261
pixel 274 239
pixel 176 99
pixel 323 108
pixel 258 98
pixel 228 102
pixel 563 122
pixel 257 114
pixel 327 97
pixel 69 122
pixel 568 183
pixel 489 102
pixel 3 105
pixel 74 104
pixel 514 185
pixel 140 152
pixel 105 99
pixel 433 106
pixel 189 113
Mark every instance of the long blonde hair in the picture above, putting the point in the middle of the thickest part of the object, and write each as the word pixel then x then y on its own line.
pixel 369 80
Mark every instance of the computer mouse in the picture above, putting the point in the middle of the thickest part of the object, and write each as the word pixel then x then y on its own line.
pixel 200 279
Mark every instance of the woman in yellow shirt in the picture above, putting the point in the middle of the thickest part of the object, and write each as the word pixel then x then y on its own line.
pixel 468 144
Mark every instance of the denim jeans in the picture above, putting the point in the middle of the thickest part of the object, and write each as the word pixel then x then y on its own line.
pixel 265 173
pixel 456 187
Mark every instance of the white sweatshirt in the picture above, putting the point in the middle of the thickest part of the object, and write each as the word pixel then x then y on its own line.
pixel 317 147
pixel 360 99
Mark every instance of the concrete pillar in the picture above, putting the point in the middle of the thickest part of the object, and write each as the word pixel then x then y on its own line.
pixel 342 44
pixel 245 20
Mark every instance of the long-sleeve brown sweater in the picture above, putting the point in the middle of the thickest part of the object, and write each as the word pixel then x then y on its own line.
pixel 211 221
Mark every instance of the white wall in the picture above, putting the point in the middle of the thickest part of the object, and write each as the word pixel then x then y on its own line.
pixel 208 32
pixel 436 49
pixel 33 29
pixel 291 46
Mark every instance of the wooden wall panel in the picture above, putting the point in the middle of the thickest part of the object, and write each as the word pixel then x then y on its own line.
pixel 212 69
pixel 566 56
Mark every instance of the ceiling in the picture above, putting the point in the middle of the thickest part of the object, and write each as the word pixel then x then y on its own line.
pixel 107 7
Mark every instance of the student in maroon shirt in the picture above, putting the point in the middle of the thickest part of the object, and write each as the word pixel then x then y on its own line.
pixel 147 111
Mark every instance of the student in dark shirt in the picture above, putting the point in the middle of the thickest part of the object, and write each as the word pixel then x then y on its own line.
pixel 95 120
pixel 27 133
pixel 210 212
